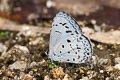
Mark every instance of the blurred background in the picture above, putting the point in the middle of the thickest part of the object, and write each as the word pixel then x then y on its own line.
pixel 30 11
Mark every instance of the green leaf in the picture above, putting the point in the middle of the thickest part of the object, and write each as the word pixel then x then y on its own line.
pixel 4 33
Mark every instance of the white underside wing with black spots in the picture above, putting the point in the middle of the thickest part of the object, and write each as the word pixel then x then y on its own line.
pixel 67 43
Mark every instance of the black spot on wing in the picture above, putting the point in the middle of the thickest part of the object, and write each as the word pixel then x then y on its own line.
pixel 67 27
pixel 76 32
pixel 75 52
pixel 73 59
pixel 68 60
pixel 60 51
pixel 86 44
pixel 60 23
pixel 58 31
pixel 88 53
pixel 80 38
pixel 78 48
pixel 88 49
pixel 78 57
pixel 68 41
pixel 69 52
pixel 56 25
pixel 68 31
pixel 64 24
pixel 62 46
pixel 54 54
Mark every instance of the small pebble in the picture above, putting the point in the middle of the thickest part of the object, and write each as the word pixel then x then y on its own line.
pixel 103 61
pixel 3 48
pixel 84 78
pixel 109 68
pixel 47 77
pixel 117 60
pixel 101 71
pixel 117 66
pixel 58 72
pixel 21 65
pixel 118 78
pixel 28 77
pixel 33 64
pixel 67 77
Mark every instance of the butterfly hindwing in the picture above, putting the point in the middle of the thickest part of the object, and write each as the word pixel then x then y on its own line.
pixel 73 49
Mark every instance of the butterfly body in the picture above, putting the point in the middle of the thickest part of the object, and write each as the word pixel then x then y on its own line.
pixel 67 43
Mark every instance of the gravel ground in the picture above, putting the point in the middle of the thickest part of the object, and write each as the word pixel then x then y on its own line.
pixel 22 57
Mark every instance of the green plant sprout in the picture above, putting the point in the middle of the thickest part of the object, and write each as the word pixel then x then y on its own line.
pixel 51 64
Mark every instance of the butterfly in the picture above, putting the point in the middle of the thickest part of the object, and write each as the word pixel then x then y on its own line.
pixel 67 43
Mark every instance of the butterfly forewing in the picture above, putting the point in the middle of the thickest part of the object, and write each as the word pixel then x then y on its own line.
pixel 62 28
